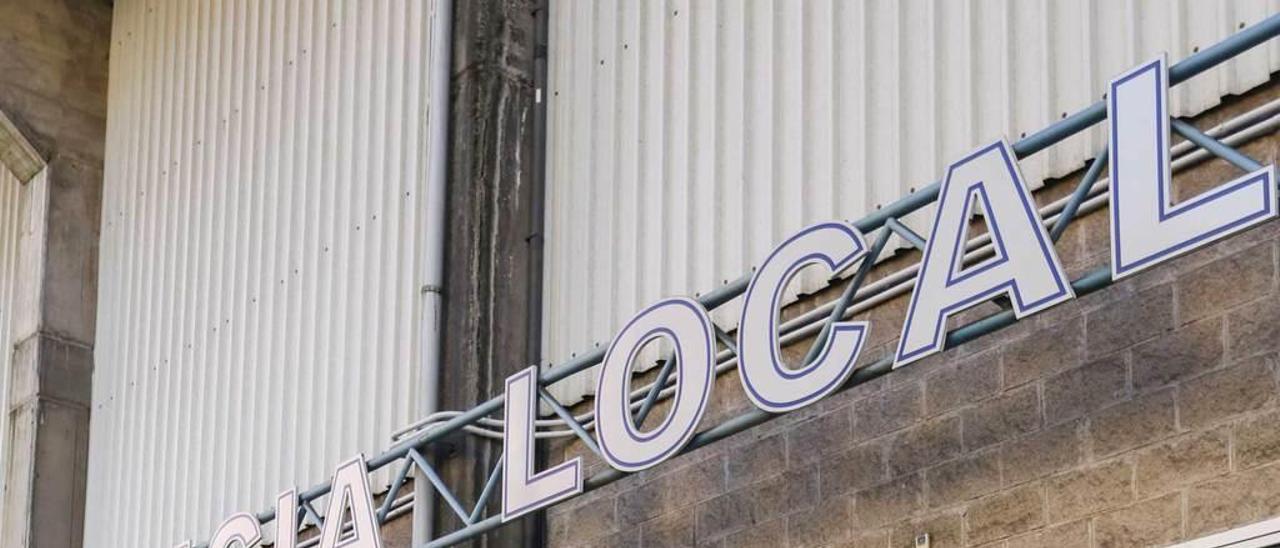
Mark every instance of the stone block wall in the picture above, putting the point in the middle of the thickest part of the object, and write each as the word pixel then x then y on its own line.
pixel 1143 414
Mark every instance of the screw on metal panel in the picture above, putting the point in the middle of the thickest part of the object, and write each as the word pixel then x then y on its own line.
pixel 922 540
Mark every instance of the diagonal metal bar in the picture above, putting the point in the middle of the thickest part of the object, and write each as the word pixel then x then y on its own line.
pixel 909 235
pixel 487 492
pixel 1082 191
pixel 568 419
pixel 664 375
pixel 846 298
pixel 1216 147
pixel 311 514
pixel 395 488
pixel 441 488
pixel 725 339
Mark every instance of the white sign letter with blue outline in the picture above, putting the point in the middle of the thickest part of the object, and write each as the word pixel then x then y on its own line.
pixel 1024 267
pixel 350 489
pixel 771 385
pixel 686 325
pixel 1146 228
pixel 524 491
pixel 241 528
pixel 287 519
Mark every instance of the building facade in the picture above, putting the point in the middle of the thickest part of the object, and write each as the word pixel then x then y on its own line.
pixel 256 254
pixel 1142 414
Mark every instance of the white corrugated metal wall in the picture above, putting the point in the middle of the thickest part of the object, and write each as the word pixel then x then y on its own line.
pixel 687 137
pixel 261 254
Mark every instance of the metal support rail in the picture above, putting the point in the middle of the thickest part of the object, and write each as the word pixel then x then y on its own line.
pixel 1240 129
pixel 1248 126
pixel 409 452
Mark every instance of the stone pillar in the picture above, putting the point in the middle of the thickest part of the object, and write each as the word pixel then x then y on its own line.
pixel 493 282
pixel 48 443
pixel 53 54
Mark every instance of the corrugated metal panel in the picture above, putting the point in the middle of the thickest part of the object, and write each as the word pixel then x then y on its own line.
pixel 12 208
pixel 687 137
pixel 260 257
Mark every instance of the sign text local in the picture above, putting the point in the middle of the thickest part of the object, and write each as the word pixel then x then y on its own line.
pixel 1146 229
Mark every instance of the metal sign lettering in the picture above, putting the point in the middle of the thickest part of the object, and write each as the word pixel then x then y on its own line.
pixel 1146 228
pixel 1024 268
pixel 350 492
pixel 769 383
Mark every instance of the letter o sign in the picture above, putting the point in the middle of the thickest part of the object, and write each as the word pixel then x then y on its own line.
pixel 686 325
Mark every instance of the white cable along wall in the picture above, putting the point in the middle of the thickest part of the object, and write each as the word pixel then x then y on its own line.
pixel 688 137
pixel 260 256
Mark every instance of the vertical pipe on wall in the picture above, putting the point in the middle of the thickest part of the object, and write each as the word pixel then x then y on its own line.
pixel 437 171
pixel 537 226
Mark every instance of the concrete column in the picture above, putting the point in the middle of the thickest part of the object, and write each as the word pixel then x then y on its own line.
pixel 492 257
pixel 48 443
pixel 54 56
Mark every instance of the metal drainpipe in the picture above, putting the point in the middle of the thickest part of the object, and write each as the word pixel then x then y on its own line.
pixel 437 173
pixel 537 226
